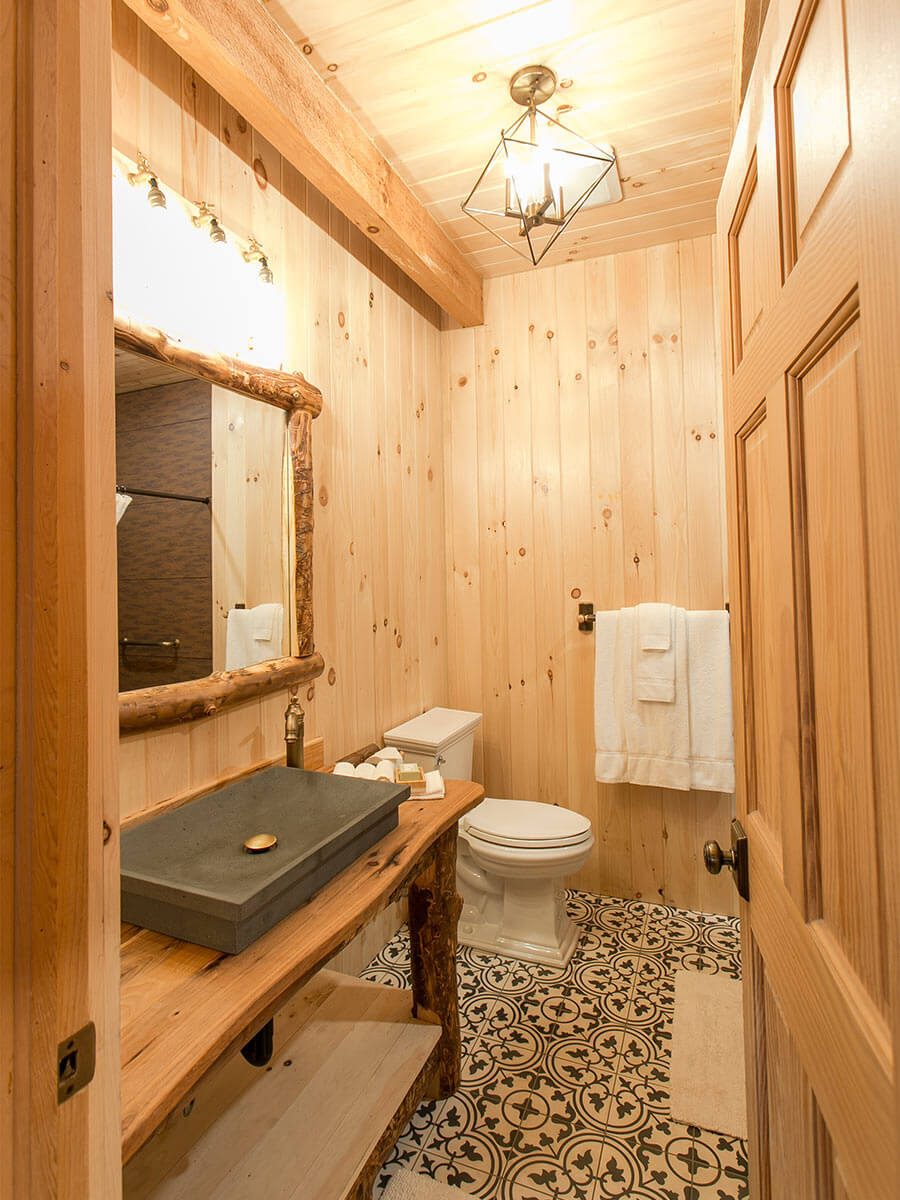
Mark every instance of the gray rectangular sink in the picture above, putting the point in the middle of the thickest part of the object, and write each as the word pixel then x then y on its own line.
pixel 187 872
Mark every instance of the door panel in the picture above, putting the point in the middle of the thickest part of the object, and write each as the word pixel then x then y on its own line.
pixel 828 461
pixel 812 433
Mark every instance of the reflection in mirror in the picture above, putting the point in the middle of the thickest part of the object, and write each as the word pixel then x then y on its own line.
pixel 202 505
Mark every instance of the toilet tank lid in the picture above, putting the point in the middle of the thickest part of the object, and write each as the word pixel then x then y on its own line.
pixel 433 730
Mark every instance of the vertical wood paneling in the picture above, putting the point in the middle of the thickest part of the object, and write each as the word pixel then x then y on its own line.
pixel 583 429
pixel 370 340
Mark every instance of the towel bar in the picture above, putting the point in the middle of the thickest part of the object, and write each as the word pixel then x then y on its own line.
pixel 587 618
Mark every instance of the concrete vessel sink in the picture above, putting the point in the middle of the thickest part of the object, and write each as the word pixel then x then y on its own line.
pixel 222 869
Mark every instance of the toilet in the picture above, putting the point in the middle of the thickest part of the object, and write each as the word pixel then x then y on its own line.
pixel 513 854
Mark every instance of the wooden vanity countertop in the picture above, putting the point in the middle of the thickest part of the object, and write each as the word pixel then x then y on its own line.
pixel 184 1006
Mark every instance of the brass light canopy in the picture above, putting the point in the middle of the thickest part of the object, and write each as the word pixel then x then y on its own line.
pixel 255 253
pixel 206 214
pixel 541 173
pixel 156 197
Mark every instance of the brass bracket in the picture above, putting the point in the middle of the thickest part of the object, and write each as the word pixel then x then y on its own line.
pixel 76 1059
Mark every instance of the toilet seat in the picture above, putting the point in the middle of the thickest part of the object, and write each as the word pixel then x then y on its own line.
pixel 526 825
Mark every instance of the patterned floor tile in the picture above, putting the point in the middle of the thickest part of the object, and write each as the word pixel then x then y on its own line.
pixel 564 1092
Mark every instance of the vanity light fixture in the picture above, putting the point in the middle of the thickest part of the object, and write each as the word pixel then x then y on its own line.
pixel 205 212
pixel 255 253
pixel 145 174
pixel 540 174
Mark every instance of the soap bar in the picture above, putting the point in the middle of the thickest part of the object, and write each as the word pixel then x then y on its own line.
pixel 411 775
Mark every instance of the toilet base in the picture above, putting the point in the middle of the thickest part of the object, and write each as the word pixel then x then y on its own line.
pixel 556 947
pixel 489 938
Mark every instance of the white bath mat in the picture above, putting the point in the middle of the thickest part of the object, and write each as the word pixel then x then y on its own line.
pixel 707 1085
pixel 406 1185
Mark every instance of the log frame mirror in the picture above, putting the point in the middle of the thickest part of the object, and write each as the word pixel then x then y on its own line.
pixel 174 702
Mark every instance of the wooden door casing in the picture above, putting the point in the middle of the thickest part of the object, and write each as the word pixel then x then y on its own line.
pixel 808 253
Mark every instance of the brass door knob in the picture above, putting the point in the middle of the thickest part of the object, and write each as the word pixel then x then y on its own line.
pixel 716 858
pixel 737 859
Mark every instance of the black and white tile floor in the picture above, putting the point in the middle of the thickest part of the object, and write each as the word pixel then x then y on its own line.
pixel 565 1072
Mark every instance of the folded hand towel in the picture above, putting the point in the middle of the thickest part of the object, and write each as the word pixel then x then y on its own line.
pixel 434 787
pixel 709 686
pixel 654 653
pixel 264 620
pixel 658 736
pixel 242 646
pixel 655 626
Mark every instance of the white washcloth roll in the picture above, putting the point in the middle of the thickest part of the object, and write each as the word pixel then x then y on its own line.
pixel 344 768
pixel 387 754
pixel 386 771
pixel 365 771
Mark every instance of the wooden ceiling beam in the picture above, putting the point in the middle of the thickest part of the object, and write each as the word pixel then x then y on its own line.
pixel 246 56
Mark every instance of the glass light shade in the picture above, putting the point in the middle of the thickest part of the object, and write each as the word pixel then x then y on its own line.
pixel 540 175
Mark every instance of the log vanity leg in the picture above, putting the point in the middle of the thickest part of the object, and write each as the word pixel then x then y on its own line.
pixel 434 909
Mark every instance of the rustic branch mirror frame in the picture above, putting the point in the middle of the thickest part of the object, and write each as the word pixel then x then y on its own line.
pixel 167 704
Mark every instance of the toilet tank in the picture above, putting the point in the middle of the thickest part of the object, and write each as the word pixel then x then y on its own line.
pixel 441 737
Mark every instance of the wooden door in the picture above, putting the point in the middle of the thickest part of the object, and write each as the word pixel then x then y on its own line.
pixel 59 928
pixel 808 231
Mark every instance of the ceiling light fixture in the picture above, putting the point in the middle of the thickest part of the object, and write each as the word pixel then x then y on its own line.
pixel 540 174
pixel 205 212
pixel 145 174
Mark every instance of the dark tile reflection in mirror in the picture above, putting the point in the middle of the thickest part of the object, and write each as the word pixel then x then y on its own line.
pixel 164 443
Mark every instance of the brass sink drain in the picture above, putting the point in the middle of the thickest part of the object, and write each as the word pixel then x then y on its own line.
pixel 260 843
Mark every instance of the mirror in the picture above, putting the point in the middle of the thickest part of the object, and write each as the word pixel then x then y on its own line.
pixel 203 526
pixel 214 510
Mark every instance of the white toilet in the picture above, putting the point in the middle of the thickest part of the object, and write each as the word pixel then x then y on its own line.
pixel 513 854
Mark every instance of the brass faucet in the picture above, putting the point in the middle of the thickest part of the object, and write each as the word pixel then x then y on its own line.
pixel 293 732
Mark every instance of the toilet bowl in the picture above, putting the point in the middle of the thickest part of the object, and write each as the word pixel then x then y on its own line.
pixel 513 854
pixel 513 857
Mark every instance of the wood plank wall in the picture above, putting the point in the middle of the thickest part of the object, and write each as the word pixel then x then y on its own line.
pixel 370 340
pixel 250 514
pixel 583 462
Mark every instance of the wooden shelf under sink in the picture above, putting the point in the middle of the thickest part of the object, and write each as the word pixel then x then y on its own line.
pixel 347 1055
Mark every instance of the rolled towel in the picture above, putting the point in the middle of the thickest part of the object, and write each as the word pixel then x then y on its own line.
pixel 387 754
pixel 365 771
pixel 385 770
pixel 344 768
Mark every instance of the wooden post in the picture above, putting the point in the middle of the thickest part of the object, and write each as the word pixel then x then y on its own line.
pixel 60 823
pixel 434 908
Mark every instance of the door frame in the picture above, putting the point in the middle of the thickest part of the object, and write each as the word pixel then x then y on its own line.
pixel 59 887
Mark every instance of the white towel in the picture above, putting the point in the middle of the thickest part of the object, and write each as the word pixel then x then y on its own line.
pixel 655 626
pixel 242 647
pixel 654 653
pixel 434 787
pixel 658 736
pixel 709 686
pixel 265 618
pixel 611 761
pixel 684 744
pixel 122 502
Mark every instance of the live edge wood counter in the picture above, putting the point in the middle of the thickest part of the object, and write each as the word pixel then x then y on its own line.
pixel 185 1007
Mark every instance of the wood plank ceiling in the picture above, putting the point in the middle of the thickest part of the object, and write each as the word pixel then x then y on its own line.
pixel 652 77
